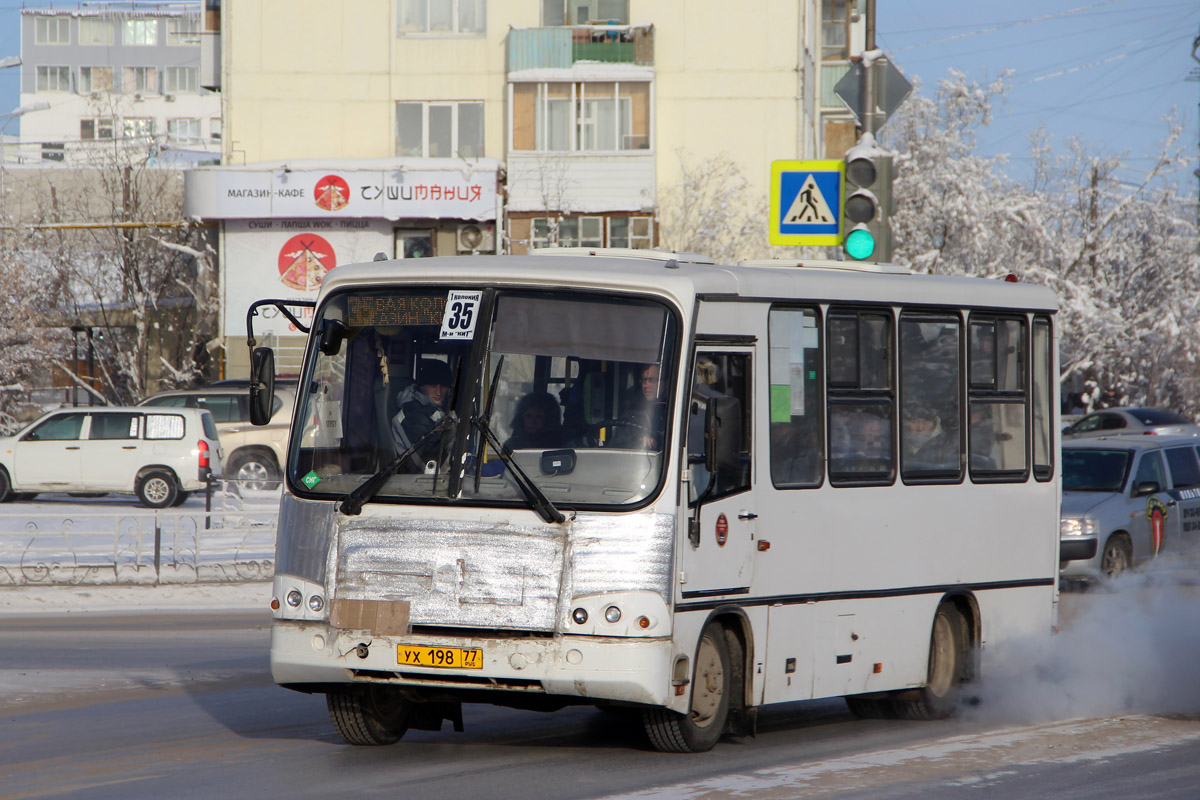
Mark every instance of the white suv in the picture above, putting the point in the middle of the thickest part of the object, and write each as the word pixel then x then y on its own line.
pixel 254 453
pixel 160 456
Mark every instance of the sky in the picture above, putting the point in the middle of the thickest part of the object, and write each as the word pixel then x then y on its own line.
pixel 1101 70
pixel 1105 71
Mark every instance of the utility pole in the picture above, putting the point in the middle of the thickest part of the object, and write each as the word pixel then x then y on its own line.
pixel 1194 75
pixel 870 120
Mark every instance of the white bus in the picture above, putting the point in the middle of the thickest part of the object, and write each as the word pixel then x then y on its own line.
pixel 642 480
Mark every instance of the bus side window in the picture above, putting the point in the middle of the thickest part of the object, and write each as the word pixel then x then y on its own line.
pixel 795 398
pixel 720 375
pixel 862 397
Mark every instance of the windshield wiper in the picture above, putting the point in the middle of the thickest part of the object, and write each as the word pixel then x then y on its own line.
pixel 537 498
pixel 352 503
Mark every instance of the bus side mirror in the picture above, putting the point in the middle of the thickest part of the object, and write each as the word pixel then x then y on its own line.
pixel 723 434
pixel 333 331
pixel 262 384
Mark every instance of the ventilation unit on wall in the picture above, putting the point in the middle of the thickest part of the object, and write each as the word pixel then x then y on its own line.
pixel 476 237
pixel 138 97
pixel 170 98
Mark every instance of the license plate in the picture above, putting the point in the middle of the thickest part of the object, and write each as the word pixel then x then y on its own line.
pixel 449 657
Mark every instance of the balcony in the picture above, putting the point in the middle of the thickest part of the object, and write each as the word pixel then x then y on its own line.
pixel 563 47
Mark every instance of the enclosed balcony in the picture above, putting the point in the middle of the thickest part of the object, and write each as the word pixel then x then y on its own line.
pixel 563 47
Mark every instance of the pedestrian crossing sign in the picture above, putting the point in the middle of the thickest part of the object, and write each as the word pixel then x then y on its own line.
pixel 806 202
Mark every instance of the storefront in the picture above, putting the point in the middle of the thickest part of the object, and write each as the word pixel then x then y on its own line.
pixel 284 226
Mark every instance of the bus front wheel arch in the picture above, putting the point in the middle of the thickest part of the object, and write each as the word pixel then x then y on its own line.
pixel 708 713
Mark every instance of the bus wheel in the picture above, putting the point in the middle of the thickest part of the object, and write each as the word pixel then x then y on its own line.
pixel 369 715
pixel 948 658
pixel 703 725
pixel 870 707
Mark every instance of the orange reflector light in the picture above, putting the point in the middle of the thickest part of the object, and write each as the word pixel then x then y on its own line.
pixel 643 622
pixel 274 603
pixel 679 691
pixel 878 668
pixel 763 544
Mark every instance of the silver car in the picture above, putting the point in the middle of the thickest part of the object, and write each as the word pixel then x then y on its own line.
pixel 1130 420
pixel 1127 499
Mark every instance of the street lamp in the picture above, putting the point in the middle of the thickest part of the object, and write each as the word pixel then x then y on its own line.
pixel 19 111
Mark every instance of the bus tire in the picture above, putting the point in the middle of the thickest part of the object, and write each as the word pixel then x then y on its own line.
pixel 870 707
pixel 6 492
pixel 370 715
pixel 949 654
pixel 703 725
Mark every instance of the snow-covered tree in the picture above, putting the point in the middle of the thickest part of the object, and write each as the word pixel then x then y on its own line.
pixel 711 210
pixel 1122 257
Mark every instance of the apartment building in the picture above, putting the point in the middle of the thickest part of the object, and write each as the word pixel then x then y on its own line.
pixel 435 127
pixel 101 76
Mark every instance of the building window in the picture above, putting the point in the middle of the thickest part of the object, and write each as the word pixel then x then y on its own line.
pixel 53 151
pixel 439 130
pixel 441 17
pixel 569 232
pixel 214 129
pixel 52 30
pixel 54 79
pixel 183 80
pixel 835 29
pixel 140 79
pixel 183 31
pixel 184 130
pixel 95 79
pixel 581 117
pixel 140 32
pixel 96 32
pixel 584 12
pixel 138 127
pixel 98 128
pixel 635 232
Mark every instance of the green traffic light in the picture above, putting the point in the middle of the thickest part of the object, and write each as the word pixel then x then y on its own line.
pixel 860 243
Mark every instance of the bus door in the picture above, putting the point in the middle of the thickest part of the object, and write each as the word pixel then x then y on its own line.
pixel 718 554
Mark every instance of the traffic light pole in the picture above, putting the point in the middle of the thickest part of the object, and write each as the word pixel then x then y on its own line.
pixel 870 123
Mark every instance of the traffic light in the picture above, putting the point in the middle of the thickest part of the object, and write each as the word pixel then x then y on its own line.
pixel 868 202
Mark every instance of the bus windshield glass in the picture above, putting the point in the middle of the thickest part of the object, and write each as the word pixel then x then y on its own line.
pixel 467 394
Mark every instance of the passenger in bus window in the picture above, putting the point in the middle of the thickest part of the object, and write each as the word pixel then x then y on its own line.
pixel 422 405
pixel 927 445
pixel 537 423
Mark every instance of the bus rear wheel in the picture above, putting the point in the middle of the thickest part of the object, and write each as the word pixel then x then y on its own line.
pixel 701 728
pixel 949 653
pixel 369 715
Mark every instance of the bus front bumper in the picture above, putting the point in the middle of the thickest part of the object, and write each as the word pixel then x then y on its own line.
pixel 633 670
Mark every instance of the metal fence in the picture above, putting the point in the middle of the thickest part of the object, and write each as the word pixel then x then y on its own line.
pixel 80 544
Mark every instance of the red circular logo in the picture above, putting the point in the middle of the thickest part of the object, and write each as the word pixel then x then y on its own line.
pixel 304 260
pixel 331 193
pixel 722 530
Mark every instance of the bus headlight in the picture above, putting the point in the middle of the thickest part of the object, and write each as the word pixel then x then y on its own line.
pixel 612 614
pixel 294 597
pixel 1082 526
pixel 316 603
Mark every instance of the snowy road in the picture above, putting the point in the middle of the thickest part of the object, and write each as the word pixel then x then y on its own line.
pixel 100 703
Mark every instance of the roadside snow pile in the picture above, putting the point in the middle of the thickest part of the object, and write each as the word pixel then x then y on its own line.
pixel 16 600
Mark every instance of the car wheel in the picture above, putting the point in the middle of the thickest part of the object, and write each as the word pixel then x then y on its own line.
pixel 255 470
pixel 370 715
pixel 1117 556
pixel 701 728
pixel 157 489
pixel 6 492
pixel 181 498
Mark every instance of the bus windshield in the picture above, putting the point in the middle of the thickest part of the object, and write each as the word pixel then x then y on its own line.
pixel 466 394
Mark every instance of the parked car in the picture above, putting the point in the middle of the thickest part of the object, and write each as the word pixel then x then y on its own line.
pixel 1131 420
pixel 254 453
pixel 160 456
pixel 1126 499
